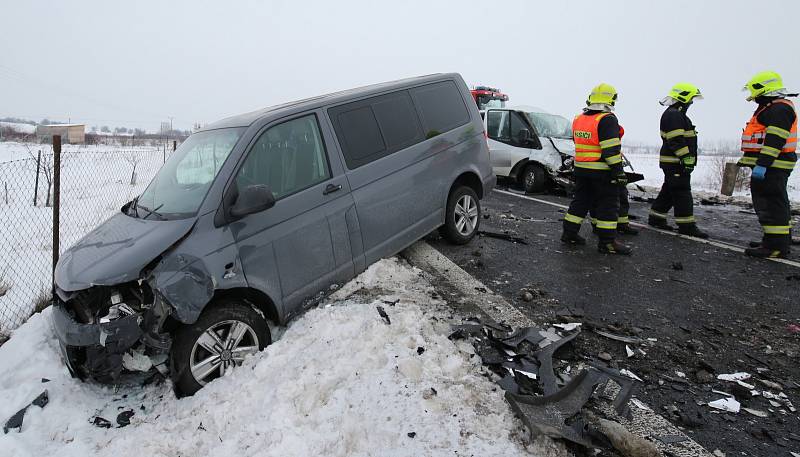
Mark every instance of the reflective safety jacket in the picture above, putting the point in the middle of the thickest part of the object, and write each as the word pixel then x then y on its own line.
pixel 597 142
pixel 770 137
pixel 679 139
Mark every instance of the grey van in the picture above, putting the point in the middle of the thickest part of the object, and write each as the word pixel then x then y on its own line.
pixel 257 216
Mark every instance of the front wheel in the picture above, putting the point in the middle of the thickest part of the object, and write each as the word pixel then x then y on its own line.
pixel 463 216
pixel 224 334
pixel 534 180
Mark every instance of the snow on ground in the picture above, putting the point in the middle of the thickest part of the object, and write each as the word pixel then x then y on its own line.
pixel 705 176
pixel 338 382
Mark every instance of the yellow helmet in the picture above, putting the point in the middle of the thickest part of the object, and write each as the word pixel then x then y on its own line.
pixel 604 94
pixel 685 93
pixel 762 83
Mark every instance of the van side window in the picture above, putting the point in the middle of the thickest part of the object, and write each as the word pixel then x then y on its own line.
pixel 288 157
pixel 398 120
pixel 498 126
pixel 376 127
pixel 441 107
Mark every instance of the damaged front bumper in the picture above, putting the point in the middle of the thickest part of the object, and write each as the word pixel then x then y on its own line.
pixel 107 350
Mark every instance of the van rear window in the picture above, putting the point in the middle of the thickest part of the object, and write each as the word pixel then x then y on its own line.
pixel 441 107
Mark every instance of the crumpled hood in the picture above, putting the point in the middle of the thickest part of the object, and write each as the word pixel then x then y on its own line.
pixel 564 145
pixel 117 251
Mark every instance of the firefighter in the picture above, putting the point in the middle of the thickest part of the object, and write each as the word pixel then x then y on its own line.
pixel 677 160
pixel 598 172
pixel 769 142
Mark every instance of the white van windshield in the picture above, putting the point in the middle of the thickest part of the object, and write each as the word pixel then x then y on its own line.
pixel 181 184
pixel 551 125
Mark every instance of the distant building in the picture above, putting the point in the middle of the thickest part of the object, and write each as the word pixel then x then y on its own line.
pixel 70 133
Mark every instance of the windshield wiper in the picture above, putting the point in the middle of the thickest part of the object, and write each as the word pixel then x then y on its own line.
pixel 154 211
pixel 134 208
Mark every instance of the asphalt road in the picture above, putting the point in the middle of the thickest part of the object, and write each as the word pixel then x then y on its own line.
pixel 710 310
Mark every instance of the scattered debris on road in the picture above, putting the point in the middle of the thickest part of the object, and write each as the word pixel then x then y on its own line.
pixel 728 404
pixel 551 395
pixel 383 314
pixel 15 421
pixel 503 236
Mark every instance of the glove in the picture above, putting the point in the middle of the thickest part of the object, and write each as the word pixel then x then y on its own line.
pixel 619 178
pixel 688 163
pixel 758 172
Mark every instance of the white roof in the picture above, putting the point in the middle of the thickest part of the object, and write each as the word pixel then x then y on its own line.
pixel 63 125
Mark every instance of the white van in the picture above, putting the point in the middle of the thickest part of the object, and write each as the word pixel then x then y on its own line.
pixel 530 146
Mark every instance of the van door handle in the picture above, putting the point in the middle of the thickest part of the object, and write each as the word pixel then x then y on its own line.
pixel 331 188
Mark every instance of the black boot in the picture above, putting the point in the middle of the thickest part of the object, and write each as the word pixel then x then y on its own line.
pixel 572 238
pixel 764 252
pixel 692 230
pixel 614 247
pixel 626 229
pixel 754 244
pixel 659 223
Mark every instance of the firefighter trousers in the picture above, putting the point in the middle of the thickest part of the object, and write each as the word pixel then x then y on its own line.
pixel 676 192
pixel 624 208
pixel 594 193
pixel 771 203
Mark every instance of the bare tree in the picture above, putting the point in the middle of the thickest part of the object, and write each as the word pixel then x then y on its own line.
pixel 46 168
pixel 133 158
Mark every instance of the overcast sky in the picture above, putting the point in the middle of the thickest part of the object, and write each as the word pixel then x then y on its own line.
pixel 138 63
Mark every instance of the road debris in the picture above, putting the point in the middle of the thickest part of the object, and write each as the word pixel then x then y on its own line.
pixel 734 376
pixel 756 412
pixel 550 395
pixel 383 314
pixel 503 236
pixel 621 338
pixel 15 422
pixel 728 404
pixel 124 418
pixel 630 374
pixel 101 422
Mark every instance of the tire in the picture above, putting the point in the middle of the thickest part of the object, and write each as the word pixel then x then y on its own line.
pixel 534 179
pixel 455 216
pixel 193 344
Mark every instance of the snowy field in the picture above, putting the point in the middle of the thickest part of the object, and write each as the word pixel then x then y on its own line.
pixel 706 176
pixel 338 382
pixel 95 183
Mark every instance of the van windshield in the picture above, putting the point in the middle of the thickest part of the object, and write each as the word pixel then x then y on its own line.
pixel 551 125
pixel 181 184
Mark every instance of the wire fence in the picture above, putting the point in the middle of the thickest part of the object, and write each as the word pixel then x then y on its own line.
pixel 95 183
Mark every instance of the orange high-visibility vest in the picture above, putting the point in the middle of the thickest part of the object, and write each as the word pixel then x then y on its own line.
pixel 754 133
pixel 587 140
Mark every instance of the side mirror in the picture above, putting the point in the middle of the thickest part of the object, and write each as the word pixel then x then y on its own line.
pixel 253 199
pixel 523 137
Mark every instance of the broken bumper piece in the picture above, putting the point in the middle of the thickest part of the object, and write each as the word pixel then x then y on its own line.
pixel 95 350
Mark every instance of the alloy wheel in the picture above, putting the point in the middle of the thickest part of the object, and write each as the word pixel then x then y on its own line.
pixel 220 347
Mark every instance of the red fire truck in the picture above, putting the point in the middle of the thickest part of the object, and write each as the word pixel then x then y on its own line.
pixel 488 97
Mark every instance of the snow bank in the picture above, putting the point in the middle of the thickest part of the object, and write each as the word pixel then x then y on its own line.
pixel 339 382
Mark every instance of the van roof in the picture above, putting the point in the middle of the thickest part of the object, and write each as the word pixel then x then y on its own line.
pixel 244 120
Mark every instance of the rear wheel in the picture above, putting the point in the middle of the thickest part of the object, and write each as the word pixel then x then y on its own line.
pixel 463 215
pixel 226 333
pixel 534 179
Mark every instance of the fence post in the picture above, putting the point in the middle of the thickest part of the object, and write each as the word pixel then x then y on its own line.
pixel 165 153
pixel 174 145
pixel 5 186
pixel 36 185
pixel 729 178
pixel 56 197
